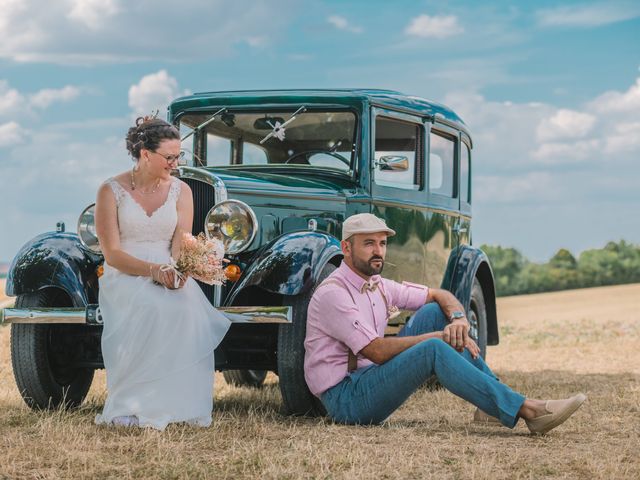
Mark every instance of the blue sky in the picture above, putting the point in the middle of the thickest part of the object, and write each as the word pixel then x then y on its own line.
pixel 550 91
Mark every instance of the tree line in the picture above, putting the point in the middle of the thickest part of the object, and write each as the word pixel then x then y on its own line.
pixel 616 263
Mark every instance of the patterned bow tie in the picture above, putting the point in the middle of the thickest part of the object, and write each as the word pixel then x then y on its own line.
pixel 371 285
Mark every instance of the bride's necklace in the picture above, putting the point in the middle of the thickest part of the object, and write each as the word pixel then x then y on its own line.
pixel 133 185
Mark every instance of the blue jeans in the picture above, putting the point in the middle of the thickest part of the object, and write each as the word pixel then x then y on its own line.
pixel 372 393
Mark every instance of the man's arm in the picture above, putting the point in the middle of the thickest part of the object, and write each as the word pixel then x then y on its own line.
pixel 456 333
pixel 381 350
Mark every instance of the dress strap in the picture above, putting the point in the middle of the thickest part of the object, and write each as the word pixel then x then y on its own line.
pixel 174 189
pixel 118 191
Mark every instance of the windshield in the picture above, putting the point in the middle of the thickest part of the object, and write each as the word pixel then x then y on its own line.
pixel 296 138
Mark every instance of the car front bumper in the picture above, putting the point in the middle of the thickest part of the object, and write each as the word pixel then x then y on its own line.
pixel 91 315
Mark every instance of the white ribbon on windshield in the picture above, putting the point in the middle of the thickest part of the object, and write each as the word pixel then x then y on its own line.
pixel 279 129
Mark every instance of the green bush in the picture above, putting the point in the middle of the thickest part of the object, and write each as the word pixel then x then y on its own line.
pixel 616 263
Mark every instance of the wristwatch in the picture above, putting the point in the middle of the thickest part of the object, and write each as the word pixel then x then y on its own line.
pixel 456 315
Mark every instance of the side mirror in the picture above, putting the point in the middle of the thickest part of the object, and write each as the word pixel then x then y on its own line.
pixel 394 163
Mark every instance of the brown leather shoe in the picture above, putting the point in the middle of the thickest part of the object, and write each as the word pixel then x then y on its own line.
pixel 559 411
pixel 484 418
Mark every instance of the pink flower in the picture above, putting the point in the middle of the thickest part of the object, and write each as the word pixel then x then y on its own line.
pixel 201 258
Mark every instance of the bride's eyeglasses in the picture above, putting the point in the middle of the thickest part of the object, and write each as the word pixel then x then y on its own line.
pixel 172 158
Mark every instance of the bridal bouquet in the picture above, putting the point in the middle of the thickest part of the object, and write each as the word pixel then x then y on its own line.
pixel 202 259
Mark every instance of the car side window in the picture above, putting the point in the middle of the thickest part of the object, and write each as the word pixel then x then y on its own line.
pixel 441 164
pixel 465 180
pixel 397 153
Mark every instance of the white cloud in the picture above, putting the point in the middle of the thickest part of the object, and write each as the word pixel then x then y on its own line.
pixel 565 124
pixel 257 42
pixel 153 92
pixel 341 23
pixel 93 13
pixel 439 26
pixel 511 136
pixel 587 15
pixel 89 32
pixel 47 96
pixel 11 133
pixel 563 153
pixel 612 101
pixel 55 174
pixel 503 132
pixel 20 104
pixel 10 99
pixel 527 187
pixel 625 138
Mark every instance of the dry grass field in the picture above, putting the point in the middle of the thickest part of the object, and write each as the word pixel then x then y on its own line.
pixel 552 345
pixel 3 298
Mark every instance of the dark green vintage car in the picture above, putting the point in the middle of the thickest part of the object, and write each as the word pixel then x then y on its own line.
pixel 274 174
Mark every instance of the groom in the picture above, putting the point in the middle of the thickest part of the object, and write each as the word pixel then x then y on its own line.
pixel 362 377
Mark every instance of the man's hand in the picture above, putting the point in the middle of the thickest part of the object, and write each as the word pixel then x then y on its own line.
pixel 456 334
pixel 473 348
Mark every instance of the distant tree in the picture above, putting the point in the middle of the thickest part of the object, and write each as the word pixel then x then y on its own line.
pixel 614 264
pixel 506 264
pixel 563 259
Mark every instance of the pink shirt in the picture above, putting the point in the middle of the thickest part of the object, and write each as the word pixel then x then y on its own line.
pixel 336 324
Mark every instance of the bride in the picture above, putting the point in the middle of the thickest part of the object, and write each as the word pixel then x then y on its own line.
pixel 158 336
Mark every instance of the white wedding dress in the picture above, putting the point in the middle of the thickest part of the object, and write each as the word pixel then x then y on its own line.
pixel 157 343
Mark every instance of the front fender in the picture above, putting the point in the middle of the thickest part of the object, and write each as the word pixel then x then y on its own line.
pixel 471 263
pixel 290 265
pixel 55 260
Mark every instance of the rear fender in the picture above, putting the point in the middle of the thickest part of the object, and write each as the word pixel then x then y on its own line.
pixel 471 263
pixel 55 260
pixel 290 265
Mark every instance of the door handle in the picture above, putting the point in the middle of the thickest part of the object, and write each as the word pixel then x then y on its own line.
pixel 458 229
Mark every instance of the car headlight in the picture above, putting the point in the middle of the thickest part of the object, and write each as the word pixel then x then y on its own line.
pixel 87 229
pixel 232 222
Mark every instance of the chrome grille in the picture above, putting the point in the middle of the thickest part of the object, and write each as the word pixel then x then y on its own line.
pixel 203 201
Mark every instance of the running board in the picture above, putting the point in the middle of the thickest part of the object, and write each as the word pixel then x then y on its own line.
pixel 91 315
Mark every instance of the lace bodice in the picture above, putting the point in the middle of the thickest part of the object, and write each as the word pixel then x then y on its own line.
pixel 136 227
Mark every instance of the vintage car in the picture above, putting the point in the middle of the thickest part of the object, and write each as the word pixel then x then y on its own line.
pixel 273 174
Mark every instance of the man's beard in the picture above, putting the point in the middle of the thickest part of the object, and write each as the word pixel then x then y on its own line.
pixel 366 268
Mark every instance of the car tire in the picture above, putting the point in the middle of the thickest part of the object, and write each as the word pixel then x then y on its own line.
pixel 477 317
pixel 44 381
pixel 245 378
pixel 296 397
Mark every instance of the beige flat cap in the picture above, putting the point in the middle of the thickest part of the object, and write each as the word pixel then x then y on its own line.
pixel 364 223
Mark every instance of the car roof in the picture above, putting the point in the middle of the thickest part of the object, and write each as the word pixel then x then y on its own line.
pixel 386 98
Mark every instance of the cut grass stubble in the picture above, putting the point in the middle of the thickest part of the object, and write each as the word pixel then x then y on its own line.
pixel 552 345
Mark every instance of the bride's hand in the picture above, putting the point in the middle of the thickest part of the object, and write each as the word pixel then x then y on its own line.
pixel 182 278
pixel 164 275
pixel 176 279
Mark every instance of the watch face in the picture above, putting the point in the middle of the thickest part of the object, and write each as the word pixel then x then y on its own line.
pixel 456 315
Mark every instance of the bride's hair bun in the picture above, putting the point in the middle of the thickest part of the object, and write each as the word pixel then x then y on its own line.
pixel 147 133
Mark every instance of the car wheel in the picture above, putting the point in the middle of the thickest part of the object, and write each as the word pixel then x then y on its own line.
pixel 42 361
pixel 477 317
pixel 245 378
pixel 296 397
